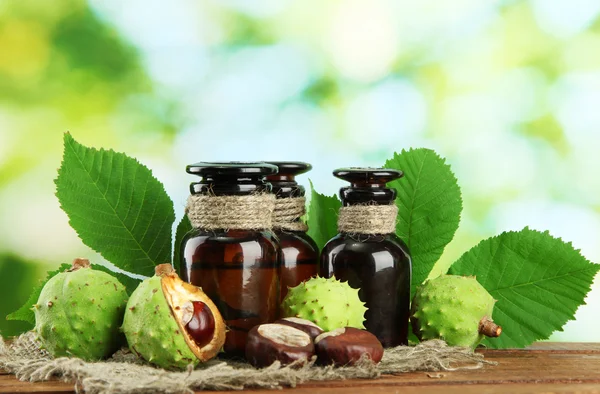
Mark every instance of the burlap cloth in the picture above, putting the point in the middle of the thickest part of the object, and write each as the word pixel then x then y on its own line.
pixel 125 373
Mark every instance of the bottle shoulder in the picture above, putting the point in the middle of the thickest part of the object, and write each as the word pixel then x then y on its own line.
pixel 365 242
pixel 296 240
pixel 364 254
pixel 264 237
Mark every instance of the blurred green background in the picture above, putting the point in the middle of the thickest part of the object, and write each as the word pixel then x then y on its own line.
pixel 507 91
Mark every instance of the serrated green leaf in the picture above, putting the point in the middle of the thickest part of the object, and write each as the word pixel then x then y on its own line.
pixel 25 313
pixel 322 217
pixel 183 228
pixel 116 207
pixel 429 207
pixel 130 283
pixel 538 280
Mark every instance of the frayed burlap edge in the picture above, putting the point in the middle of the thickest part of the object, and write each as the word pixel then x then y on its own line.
pixel 125 373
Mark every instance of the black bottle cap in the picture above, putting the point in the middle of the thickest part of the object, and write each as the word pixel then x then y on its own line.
pixel 284 182
pixel 231 168
pixel 230 178
pixel 367 185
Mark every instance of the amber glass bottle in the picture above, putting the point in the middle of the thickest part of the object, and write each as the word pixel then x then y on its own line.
pixel 300 253
pixel 377 264
pixel 237 268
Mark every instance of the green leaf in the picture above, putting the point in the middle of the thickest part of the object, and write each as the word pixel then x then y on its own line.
pixel 130 283
pixel 429 207
pixel 25 312
pixel 116 206
pixel 538 280
pixel 183 228
pixel 322 217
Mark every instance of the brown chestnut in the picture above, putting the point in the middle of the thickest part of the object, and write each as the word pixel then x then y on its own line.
pixel 268 343
pixel 201 324
pixel 345 346
pixel 303 325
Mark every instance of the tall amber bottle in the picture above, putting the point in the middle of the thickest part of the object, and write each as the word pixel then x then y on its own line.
pixel 368 254
pixel 237 265
pixel 300 256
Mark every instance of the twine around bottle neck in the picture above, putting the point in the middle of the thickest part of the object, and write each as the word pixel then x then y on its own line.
pixel 287 213
pixel 247 212
pixel 368 219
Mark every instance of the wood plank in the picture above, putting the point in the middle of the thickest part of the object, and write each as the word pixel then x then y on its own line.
pixel 455 389
pixel 10 384
pixel 546 367
pixel 57 387
pixel 518 371
pixel 16 386
pixel 557 347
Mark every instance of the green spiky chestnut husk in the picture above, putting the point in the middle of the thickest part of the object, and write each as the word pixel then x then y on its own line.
pixel 328 303
pixel 79 313
pixel 454 308
pixel 154 322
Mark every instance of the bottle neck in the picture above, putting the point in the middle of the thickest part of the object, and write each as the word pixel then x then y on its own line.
pixel 230 186
pixel 287 214
pixel 367 196
pixel 287 189
pixel 368 219
pixel 285 185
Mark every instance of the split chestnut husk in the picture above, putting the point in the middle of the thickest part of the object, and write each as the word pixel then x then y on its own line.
pixel 171 323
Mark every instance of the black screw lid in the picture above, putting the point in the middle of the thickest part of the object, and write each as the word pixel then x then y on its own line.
pixel 291 168
pixel 284 182
pixel 367 185
pixel 230 178
pixel 231 169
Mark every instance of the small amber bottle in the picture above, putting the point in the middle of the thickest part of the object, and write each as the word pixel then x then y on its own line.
pixel 300 253
pixel 231 253
pixel 368 254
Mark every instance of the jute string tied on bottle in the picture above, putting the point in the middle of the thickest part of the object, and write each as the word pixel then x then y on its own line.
pixel 368 219
pixel 124 373
pixel 248 212
pixel 287 212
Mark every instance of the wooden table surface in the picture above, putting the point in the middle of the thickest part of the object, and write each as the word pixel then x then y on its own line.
pixel 543 368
